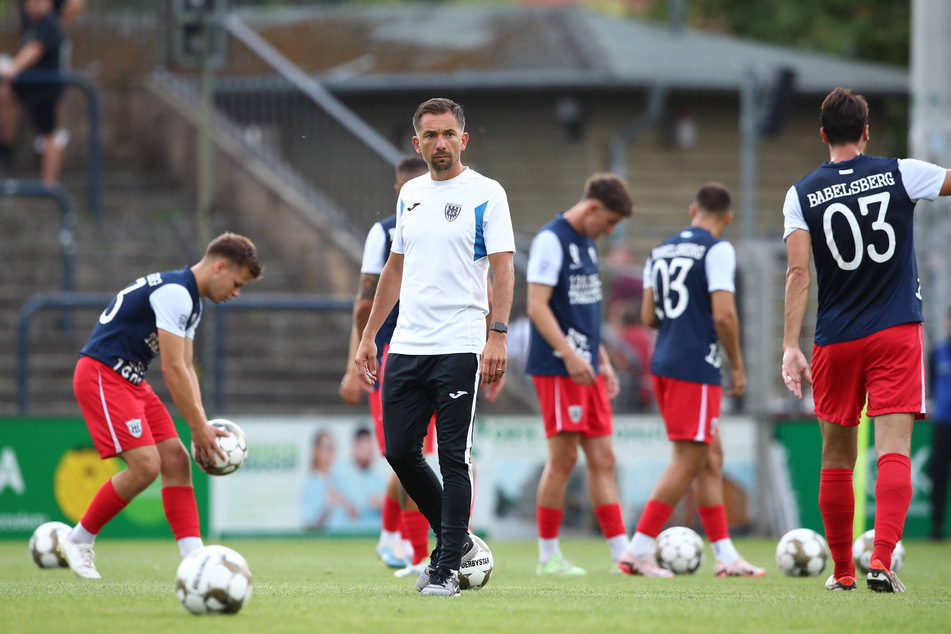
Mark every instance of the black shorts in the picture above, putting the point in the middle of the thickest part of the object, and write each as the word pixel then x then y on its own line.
pixel 40 101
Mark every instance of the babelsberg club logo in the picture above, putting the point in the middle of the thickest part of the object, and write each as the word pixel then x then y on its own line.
pixel 452 211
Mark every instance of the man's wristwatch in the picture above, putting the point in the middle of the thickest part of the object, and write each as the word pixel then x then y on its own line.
pixel 498 326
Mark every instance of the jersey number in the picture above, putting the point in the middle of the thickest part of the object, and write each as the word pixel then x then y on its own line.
pixel 671 277
pixel 878 224
pixel 108 315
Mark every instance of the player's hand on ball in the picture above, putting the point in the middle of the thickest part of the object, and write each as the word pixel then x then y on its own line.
pixel 206 445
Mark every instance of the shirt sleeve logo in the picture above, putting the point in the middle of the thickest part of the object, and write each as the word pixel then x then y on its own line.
pixel 452 211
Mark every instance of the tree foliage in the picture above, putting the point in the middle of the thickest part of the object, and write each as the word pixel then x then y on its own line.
pixel 872 30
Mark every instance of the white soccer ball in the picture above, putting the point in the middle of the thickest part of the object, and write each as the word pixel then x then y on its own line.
pixel 862 552
pixel 235 446
pixel 679 550
pixel 44 545
pixel 213 580
pixel 476 565
pixel 802 552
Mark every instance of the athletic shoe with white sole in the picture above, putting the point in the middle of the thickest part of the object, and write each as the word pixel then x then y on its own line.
pixel 880 579
pixel 80 557
pixel 845 583
pixel 443 582
pixel 646 567
pixel 390 559
pixel 739 568
pixel 558 565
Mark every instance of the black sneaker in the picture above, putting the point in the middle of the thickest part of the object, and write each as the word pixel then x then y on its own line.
pixel 443 582
pixel 880 579
pixel 427 572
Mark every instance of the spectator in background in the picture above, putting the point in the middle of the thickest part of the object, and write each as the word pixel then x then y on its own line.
pixel 39 53
pixel 362 485
pixel 940 374
pixel 640 340
pixel 323 502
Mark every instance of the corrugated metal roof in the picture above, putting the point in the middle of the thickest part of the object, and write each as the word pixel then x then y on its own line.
pixel 412 47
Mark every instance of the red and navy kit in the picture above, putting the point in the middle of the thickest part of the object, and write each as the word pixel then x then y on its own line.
pixel 678 272
pixel 575 300
pixel 126 336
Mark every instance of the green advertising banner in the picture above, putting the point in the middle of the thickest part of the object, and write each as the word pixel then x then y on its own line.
pixel 803 443
pixel 50 471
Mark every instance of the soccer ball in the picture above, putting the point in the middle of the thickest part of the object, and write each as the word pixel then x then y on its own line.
pixel 235 446
pixel 476 566
pixel 862 552
pixel 679 550
pixel 213 580
pixel 802 552
pixel 44 545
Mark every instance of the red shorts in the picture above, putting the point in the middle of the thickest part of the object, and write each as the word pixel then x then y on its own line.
pixel 120 416
pixel 888 366
pixel 690 410
pixel 376 410
pixel 568 407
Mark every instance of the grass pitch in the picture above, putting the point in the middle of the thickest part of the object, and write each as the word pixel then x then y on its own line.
pixel 336 585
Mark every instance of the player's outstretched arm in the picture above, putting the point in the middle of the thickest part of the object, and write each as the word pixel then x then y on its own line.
pixel 385 298
pixel 178 371
pixel 798 278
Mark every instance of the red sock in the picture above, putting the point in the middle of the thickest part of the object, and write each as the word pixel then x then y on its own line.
pixel 104 506
pixel 549 522
pixel 714 522
pixel 837 505
pixel 653 518
pixel 181 511
pixel 391 514
pixel 610 520
pixel 892 496
pixel 415 528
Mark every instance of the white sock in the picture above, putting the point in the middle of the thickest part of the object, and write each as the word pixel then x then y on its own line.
pixel 80 535
pixel 640 546
pixel 725 551
pixel 408 551
pixel 617 544
pixel 188 545
pixel 390 537
pixel 547 548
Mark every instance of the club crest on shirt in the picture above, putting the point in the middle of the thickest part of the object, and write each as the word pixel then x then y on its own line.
pixel 574 413
pixel 135 427
pixel 452 211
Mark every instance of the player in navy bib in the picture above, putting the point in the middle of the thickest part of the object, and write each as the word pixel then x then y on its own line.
pixel 154 316
pixel 569 366
pixel 404 536
pixel 689 297
pixel 855 217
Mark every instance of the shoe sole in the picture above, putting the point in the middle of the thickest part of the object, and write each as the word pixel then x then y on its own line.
pixel 878 581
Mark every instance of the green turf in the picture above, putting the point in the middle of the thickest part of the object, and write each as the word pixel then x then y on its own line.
pixel 313 585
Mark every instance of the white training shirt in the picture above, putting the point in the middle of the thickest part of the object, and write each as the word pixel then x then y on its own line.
pixel 445 231
pixel 720 267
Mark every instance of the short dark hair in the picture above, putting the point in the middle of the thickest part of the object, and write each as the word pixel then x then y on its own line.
pixel 843 116
pixel 611 191
pixel 410 166
pixel 714 198
pixel 439 105
pixel 238 250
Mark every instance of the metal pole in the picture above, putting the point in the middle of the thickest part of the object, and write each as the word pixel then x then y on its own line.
pixel 748 140
pixel 205 193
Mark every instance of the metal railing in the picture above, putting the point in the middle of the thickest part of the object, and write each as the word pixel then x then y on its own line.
pixel 219 347
pixel 82 81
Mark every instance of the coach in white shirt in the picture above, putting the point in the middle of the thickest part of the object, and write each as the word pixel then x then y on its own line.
pixel 453 224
